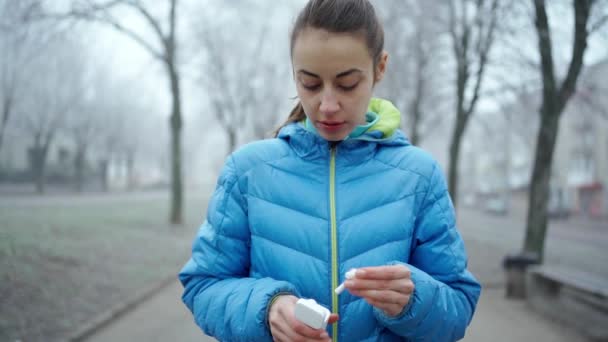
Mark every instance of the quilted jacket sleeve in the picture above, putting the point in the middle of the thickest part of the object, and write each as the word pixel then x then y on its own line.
pixel 445 293
pixel 225 301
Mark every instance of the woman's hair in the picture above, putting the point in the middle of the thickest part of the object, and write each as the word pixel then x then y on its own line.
pixel 338 16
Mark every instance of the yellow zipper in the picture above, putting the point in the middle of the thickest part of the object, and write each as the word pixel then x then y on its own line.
pixel 334 238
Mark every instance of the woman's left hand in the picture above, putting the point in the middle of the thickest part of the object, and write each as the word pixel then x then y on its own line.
pixel 388 288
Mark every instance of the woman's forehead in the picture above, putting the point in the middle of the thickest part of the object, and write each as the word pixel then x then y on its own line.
pixel 329 52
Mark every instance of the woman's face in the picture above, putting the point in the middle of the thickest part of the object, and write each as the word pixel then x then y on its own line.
pixel 334 76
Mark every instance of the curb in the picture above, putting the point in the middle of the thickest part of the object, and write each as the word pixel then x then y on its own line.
pixel 98 322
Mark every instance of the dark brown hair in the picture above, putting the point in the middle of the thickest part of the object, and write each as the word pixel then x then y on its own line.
pixel 338 16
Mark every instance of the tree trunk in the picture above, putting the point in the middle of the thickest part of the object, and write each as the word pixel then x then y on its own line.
pixel 37 158
pixel 555 98
pixel 103 174
pixel 231 131
pixel 6 113
pixel 419 92
pixel 539 184
pixel 416 114
pixel 473 43
pixel 130 170
pixel 79 166
pixel 176 212
pixel 454 161
pixel 462 72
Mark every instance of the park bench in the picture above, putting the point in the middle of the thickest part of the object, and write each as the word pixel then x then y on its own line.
pixel 570 296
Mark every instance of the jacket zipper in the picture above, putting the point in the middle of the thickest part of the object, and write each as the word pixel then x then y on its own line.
pixel 334 237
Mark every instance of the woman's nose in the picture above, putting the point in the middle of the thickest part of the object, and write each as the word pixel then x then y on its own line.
pixel 329 104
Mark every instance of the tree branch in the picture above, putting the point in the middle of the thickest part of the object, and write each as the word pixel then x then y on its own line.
pixel 591 96
pixel 172 16
pixel 99 13
pixel 582 9
pixel 546 54
pixel 486 40
pixel 596 26
pixel 452 28
pixel 136 4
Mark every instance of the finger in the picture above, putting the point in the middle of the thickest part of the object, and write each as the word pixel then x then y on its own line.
pixel 305 331
pixel 383 272
pixel 397 300
pixel 293 335
pixel 279 336
pixel 388 308
pixel 375 284
pixel 388 296
pixel 280 331
pixel 284 329
pixel 333 318
pixel 405 286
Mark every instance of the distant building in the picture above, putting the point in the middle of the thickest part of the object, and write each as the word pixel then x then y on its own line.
pixel 582 146
pixel 579 177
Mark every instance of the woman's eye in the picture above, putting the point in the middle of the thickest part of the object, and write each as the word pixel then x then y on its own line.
pixel 311 86
pixel 349 87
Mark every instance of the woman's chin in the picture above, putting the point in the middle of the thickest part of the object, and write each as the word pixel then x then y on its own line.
pixel 333 137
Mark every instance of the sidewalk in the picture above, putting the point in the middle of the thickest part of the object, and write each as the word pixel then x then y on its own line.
pixel 165 318
pixel 498 319
pixel 162 318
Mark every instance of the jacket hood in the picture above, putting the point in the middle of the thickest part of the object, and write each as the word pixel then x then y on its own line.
pixel 389 118
pixel 384 131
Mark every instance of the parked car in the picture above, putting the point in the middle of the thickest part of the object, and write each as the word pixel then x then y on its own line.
pixel 556 211
pixel 558 206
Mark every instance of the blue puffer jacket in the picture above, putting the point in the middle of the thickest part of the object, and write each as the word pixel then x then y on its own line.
pixel 293 214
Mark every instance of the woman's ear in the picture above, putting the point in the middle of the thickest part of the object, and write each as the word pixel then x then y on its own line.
pixel 381 67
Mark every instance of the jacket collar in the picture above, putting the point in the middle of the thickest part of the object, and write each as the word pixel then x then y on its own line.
pixel 384 131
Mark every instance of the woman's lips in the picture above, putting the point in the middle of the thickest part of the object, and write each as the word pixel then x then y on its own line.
pixel 330 126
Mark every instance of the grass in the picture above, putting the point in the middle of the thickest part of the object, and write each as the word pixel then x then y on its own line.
pixel 65 260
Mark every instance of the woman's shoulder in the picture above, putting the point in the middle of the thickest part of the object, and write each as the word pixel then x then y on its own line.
pixel 256 152
pixel 408 158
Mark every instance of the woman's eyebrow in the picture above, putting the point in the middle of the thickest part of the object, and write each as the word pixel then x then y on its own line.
pixel 340 75
pixel 348 72
pixel 308 73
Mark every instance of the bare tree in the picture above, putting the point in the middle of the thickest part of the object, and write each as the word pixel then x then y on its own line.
pixel 221 90
pixel 51 97
pixel 112 139
pixel 413 33
pixel 555 96
pixel 269 102
pixel 165 50
pixel 472 25
pixel 399 19
pixel 84 128
pixel 421 62
pixel 20 41
pixel 108 103
pixel 244 82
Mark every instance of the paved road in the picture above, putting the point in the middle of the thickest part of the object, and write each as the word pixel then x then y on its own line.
pixel 576 243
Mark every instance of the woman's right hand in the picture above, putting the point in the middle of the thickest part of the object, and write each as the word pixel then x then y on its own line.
pixel 284 326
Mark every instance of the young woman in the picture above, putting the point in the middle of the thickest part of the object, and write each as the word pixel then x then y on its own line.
pixel 340 187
